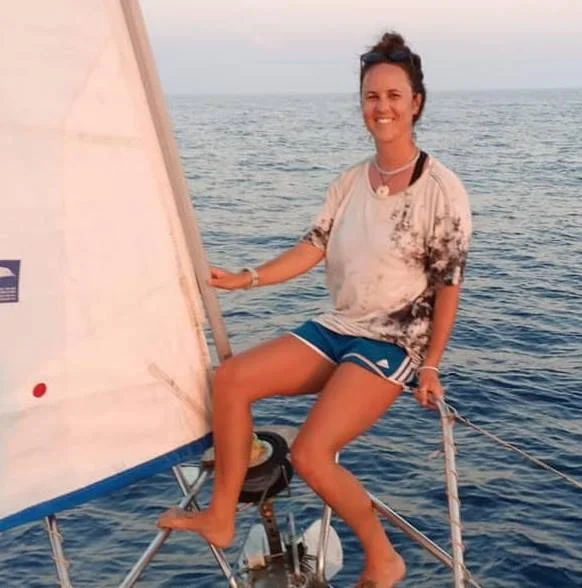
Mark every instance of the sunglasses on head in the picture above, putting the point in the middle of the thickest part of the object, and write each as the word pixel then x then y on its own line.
pixel 396 56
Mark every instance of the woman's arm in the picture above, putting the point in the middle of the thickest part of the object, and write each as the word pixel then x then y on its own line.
pixel 445 311
pixel 290 264
pixel 444 314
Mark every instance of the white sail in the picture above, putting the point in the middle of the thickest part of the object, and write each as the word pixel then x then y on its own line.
pixel 103 363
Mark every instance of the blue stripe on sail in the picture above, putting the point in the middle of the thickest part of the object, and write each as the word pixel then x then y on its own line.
pixel 155 466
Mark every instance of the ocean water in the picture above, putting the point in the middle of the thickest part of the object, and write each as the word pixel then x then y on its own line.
pixel 258 168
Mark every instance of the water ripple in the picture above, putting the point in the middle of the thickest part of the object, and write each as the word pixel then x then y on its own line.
pixel 514 365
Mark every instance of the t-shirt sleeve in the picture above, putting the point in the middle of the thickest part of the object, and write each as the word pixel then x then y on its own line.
pixel 320 230
pixel 448 243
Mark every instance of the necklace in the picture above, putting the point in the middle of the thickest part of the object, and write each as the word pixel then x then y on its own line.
pixel 383 191
pixel 393 172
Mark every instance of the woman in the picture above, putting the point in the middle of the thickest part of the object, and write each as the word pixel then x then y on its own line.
pixel 394 231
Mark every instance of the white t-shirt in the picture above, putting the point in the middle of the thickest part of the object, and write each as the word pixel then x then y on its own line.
pixel 385 256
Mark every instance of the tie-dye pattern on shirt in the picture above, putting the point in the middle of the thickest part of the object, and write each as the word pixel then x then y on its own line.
pixel 386 257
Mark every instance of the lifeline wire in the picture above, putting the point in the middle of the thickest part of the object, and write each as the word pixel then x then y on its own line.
pixel 458 417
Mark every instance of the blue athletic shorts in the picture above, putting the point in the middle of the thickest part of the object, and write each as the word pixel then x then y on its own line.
pixel 387 360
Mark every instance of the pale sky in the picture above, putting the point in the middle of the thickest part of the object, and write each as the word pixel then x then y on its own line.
pixel 304 46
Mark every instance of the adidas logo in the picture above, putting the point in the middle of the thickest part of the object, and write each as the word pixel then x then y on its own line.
pixel 383 363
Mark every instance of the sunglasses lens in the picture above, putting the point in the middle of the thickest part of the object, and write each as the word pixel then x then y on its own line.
pixel 400 55
pixel 373 57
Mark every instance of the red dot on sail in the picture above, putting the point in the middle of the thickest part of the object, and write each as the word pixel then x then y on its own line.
pixel 39 390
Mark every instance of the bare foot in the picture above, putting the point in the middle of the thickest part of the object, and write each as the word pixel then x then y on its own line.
pixel 215 530
pixel 388 576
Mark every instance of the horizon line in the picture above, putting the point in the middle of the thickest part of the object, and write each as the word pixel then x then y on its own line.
pixel 345 92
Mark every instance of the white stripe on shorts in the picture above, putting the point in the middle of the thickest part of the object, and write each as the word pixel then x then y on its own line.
pixel 402 370
pixel 367 362
pixel 406 375
pixel 309 344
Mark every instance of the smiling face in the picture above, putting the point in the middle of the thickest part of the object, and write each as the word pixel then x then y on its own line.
pixel 388 103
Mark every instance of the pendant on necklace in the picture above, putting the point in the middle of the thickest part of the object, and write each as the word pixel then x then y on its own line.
pixel 383 191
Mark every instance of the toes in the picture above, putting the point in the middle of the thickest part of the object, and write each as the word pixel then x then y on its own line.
pixel 169 516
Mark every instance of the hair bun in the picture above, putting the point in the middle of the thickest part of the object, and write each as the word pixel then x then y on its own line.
pixel 391 42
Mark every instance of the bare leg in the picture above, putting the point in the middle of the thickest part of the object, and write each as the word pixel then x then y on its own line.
pixel 285 366
pixel 353 399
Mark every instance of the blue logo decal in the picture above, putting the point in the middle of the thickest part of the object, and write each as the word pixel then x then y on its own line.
pixel 9 280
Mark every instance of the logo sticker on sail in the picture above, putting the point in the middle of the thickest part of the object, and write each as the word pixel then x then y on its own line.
pixel 9 280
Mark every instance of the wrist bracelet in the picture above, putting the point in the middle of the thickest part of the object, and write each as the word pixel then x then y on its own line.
pixel 429 367
pixel 254 277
